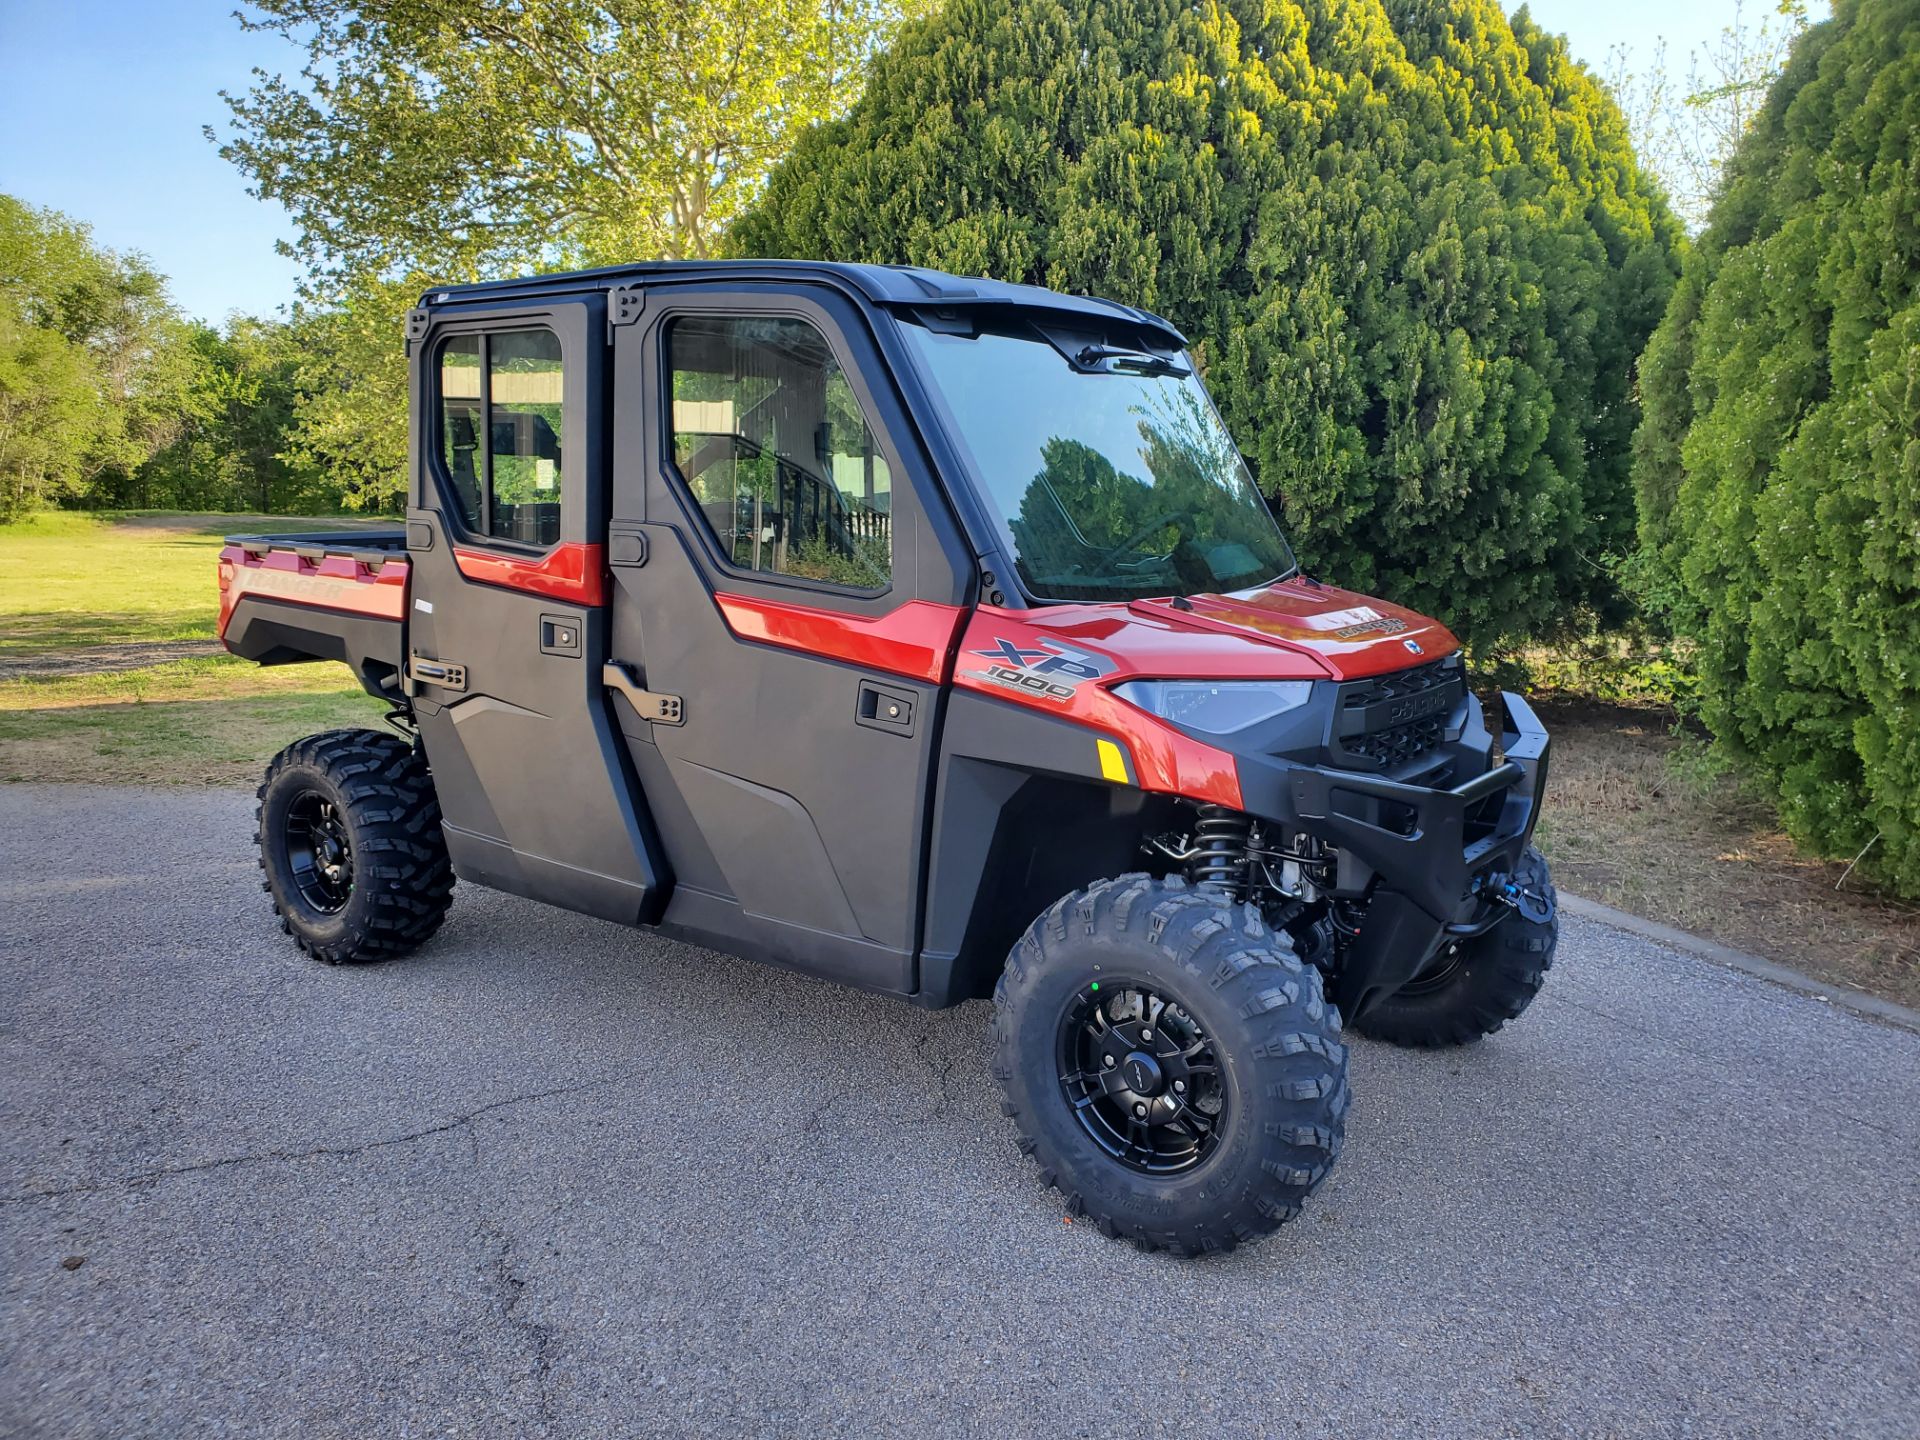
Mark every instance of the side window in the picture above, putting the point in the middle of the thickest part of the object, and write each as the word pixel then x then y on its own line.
pixel 460 423
pixel 770 439
pixel 500 428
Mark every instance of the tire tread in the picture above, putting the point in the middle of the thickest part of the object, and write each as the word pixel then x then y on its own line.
pixel 400 857
pixel 1295 1062
pixel 1504 972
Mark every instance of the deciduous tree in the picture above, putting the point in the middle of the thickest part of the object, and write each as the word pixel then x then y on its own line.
pixel 452 138
pixel 424 142
pixel 234 446
pixel 1686 128
pixel 95 370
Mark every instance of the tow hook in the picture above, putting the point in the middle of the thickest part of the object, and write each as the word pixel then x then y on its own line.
pixel 1534 907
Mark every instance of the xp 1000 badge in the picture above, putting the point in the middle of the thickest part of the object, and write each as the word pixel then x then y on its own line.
pixel 1047 668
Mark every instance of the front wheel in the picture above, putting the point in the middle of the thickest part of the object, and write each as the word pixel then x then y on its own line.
pixel 1171 1064
pixel 1473 987
pixel 349 836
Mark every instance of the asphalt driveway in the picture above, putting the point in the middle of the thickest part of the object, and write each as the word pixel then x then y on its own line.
pixel 553 1176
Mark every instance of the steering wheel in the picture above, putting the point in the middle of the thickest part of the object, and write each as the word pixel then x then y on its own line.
pixel 1159 522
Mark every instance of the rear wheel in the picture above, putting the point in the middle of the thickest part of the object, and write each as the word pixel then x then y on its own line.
pixel 1473 987
pixel 349 837
pixel 1171 1065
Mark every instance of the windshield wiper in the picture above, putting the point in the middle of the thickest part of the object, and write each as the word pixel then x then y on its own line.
pixel 1138 362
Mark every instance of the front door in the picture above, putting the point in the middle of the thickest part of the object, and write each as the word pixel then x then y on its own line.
pixel 508 628
pixel 783 570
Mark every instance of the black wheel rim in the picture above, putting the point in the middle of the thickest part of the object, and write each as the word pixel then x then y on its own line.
pixel 1141 1077
pixel 319 852
pixel 1438 974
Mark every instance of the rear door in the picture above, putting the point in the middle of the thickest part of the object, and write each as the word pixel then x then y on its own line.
pixel 508 635
pixel 782 568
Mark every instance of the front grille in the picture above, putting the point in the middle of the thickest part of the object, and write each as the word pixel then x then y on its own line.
pixel 1397 744
pixel 1372 729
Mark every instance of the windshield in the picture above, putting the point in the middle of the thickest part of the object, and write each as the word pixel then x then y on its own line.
pixel 1115 477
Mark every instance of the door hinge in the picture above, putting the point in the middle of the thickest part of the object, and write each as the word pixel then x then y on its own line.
pixel 647 704
pixel 624 304
pixel 418 319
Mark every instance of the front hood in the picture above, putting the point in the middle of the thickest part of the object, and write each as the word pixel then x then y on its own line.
pixel 1349 635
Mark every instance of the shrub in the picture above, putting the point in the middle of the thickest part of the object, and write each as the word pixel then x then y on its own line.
pixel 1778 464
pixel 1410 242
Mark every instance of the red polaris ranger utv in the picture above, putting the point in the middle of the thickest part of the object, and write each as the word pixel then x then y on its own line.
pixel 928 635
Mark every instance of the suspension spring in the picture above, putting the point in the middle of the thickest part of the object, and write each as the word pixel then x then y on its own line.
pixel 1220 839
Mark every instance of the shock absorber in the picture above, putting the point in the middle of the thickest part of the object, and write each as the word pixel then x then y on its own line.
pixel 1219 858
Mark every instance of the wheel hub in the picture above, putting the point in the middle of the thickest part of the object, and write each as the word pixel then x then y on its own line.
pixel 319 851
pixel 1142 1073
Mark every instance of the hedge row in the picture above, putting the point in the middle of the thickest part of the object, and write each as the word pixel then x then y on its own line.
pixel 1778 465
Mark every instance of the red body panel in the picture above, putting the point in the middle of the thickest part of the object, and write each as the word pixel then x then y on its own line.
pixel 913 640
pixel 575 572
pixel 1160 757
pixel 1061 660
pixel 1298 630
pixel 1293 631
pixel 333 582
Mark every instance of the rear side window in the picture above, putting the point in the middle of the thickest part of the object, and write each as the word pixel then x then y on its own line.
pixel 500 429
pixel 771 441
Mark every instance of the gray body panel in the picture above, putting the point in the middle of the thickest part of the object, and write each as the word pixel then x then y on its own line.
pixel 532 780
pixel 795 832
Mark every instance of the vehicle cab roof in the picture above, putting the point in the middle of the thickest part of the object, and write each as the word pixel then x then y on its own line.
pixel 902 286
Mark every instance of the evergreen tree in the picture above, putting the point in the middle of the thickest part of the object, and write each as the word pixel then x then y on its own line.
pixel 1778 464
pixel 1409 240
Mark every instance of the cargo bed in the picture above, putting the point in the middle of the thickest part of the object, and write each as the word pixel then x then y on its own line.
pixel 319 595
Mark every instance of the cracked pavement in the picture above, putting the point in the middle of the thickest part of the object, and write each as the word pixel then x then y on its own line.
pixel 554 1177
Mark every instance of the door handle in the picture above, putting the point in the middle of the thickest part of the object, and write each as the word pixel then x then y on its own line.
pixel 444 673
pixel 882 707
pixel 559 635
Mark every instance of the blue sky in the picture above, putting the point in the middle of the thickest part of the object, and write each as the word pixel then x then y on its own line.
pixel 101 104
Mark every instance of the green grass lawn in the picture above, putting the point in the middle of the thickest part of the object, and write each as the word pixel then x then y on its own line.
pixel 69 581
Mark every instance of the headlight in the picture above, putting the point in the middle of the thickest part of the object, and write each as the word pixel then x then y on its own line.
pixel 1218 707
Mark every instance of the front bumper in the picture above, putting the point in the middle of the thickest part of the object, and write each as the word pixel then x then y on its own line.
pixel 1423 855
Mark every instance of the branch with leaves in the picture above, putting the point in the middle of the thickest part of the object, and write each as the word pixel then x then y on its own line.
pixel 421 142
pixel 461 138
pixel 1687 130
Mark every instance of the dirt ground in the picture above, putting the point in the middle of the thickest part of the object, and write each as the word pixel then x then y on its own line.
pixel 104 659
pixel 1629 822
